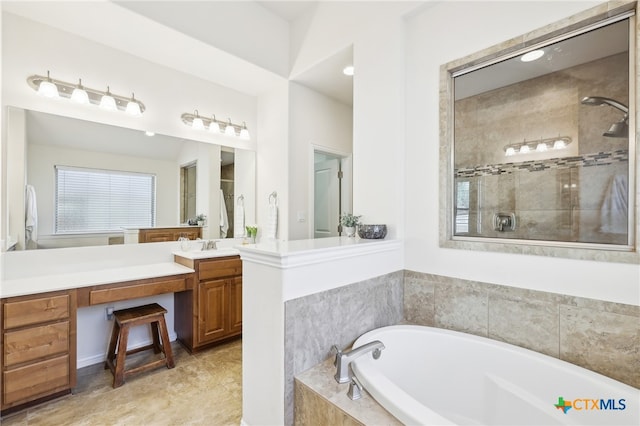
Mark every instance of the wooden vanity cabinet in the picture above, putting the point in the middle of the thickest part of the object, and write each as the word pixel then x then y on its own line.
pixel 157 235
pixel 215 301
pixel 38 343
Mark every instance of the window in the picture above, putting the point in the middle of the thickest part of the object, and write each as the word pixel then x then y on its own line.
pixel 93 200
pixel 462 207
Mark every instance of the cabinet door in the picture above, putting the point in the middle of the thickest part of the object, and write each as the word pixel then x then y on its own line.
pixel 235 306
pixel 212 310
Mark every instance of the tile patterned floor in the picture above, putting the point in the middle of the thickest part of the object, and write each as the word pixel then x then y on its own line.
pixel 202 389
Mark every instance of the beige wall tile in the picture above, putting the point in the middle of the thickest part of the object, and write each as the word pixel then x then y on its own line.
pixel 605 342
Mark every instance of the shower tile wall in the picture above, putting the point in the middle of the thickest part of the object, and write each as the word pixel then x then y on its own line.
pixel 552 201
pixel 601 336
pixel 316 322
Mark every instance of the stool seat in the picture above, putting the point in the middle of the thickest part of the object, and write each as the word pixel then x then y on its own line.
pixel 124 319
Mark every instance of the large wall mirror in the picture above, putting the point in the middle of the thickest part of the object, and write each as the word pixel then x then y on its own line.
pixel 177 179
pixel 540 143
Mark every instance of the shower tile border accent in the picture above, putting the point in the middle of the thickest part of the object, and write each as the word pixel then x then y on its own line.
pixel 587 160
pixel 557 325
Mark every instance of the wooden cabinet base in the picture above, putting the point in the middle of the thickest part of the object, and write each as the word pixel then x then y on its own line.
pixel 211 313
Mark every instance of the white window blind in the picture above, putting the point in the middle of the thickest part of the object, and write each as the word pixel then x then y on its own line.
pixel 93 200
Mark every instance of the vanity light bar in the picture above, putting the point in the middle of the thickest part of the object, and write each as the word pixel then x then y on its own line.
pixel 53 88
pixel 539 145
pixel 215 126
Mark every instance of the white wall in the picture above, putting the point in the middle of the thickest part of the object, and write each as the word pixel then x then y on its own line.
pixel 441 33
pixel 316 121
pixel 375 29
pixel 166 93
pixel 272 157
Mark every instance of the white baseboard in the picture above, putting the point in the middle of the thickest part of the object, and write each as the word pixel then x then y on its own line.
pixel 100 358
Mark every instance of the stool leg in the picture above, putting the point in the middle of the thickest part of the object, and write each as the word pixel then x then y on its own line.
pixel 166 345
pixel 118 376
pixel 111 352
pixel 156 337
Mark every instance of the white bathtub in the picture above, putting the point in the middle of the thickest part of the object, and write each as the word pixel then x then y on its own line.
pixel 431 376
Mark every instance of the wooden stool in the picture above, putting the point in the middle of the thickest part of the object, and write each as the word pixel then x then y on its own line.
pixel 153 315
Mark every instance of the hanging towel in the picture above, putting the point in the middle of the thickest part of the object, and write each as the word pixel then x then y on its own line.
pixel 613 213
pixel 224 219
pixel 238 219
pixel 31 218
pixel 272 219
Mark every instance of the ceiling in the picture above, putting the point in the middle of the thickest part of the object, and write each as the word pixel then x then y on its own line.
pixel 327 77
pixel 288 10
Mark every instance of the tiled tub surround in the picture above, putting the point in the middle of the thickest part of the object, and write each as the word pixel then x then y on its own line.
pixel 597 335
pixel 316 322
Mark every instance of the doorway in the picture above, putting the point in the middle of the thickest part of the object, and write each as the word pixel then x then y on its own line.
pixel 188 176
pixel 331 192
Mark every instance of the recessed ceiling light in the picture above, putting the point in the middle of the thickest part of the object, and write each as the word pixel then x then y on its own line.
pixel 348 70
pixel 149 133
pixel 532 56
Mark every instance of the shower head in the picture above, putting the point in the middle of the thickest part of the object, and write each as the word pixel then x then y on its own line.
pixel 619 129
pixel 597 100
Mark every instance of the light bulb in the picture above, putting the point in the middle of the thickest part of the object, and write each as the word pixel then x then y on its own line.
pixel 133 107
pixel 214 127
pixel 532 56
pixel 229 130
pixel 80 95
pixel 348 70
pixel 524 149
pixel 559 144
pixel 197 122
pixel 47 88
pixel 542 147
pixel 510 151
pixel 108 102
pixel 244 132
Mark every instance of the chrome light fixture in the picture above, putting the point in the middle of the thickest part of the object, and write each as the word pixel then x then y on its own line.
pixel 51 88
pixel 538 145
pixel 215 126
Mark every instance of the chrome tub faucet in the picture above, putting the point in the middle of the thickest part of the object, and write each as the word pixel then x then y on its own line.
pixel 343 359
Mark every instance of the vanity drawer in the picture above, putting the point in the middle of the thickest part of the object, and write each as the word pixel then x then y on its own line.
pixel 35 311
pixel 219 268
pixel 37 342
pixel 35 380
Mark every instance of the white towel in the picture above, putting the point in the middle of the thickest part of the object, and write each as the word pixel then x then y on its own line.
pixel 31 218
pixel 613 213
pixel 224 219
pixel 238 220
pixel 272 221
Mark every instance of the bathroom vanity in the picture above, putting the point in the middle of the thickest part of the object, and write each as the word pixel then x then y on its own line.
pixel 212 311
pixel 38 312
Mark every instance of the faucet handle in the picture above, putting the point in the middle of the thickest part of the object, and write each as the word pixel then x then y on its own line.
pixel 355 389
pixel 338 353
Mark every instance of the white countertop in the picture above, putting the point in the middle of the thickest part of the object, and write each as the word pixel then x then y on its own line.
pixel 288 254
pixel 70 280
